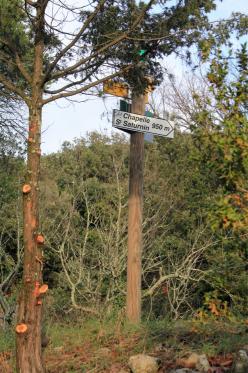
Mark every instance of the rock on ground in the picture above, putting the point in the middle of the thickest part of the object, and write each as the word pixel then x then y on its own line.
pixel 195 361
pixel 189 362
pixel 143 364
pixel 240 364
pixel 202 364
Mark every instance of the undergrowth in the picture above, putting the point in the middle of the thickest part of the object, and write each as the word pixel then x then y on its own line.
pixel 95 345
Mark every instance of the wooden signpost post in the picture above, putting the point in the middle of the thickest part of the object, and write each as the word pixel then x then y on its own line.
pixel 137 124
pixel 135 213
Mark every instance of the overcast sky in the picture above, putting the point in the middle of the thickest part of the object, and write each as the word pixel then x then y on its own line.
pixel 64 122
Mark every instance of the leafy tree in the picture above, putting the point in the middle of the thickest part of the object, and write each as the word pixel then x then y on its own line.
pixel 214 109
pixel 224 136
pixel 220 134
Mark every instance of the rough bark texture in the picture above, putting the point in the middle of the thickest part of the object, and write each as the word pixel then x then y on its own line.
pixel 28 344
pixel 135 206
pixel 29 311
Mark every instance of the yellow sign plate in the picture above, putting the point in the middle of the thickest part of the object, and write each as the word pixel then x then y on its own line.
pixel 118 89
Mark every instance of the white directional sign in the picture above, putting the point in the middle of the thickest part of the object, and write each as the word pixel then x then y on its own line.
pixel 139 123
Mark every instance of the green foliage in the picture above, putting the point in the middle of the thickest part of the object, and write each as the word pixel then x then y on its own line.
pixel 223 35
pixel 7 340
pixel 168 29
pixel 12 23
pixel 89 178
pixel 221 138
pixel 11 170
pixel 14 38
pixel 225 139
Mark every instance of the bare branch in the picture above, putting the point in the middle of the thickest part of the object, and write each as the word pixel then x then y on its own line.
pixel 86 87
pixel 75 83
pixel 76 38
pixel 157 284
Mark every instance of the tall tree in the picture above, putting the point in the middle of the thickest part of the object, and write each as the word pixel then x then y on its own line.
pixel 224 134
pixel 43 60
pixel 214 108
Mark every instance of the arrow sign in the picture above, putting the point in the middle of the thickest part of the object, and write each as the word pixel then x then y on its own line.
pixel 139 123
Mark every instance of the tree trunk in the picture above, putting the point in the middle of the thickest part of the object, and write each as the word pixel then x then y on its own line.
pixel 135 206
pixel 28 343
pixel 28 340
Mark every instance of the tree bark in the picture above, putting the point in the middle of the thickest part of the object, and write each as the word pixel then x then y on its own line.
pixel 28 343
pixel 135 207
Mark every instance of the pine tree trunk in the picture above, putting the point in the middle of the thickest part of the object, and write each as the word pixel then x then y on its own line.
pixel 28 336
pixel 28 343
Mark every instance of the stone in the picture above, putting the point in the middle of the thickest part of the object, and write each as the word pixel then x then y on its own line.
pixel 195 361
pixel 142 363
pixel 202 364
pixel 240 363
pixel 189 362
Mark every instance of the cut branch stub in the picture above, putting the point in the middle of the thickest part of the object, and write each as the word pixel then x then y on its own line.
pixel 39 291
pixel 39 302
pixel 43 289
pixel 26 188
pixel 40 239
pixel 21 328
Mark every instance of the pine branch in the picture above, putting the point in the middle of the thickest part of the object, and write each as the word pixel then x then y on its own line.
pixel 11 87
pixel 71 69
pixel 18 60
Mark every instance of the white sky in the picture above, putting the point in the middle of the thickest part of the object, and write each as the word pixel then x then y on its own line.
pixel 64 122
